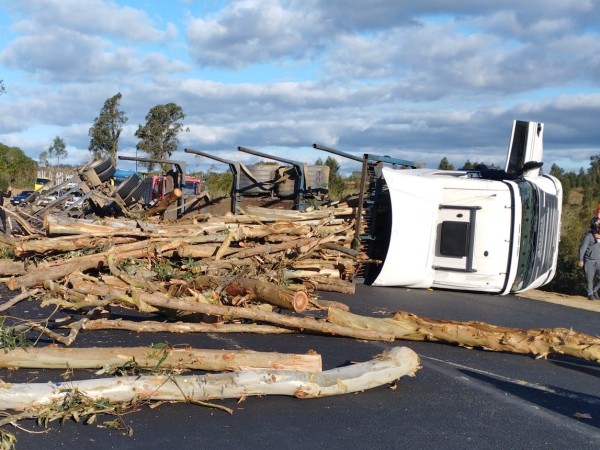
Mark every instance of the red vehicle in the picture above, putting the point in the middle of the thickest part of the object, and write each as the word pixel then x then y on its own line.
pixel 191 186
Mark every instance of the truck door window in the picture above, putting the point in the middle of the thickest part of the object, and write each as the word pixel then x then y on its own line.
pixel 454 240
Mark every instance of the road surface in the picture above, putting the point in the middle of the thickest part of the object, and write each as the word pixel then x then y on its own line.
pixel 460 399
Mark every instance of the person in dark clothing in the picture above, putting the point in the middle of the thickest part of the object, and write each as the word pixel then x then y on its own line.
pixel 589 259
pixel 4 195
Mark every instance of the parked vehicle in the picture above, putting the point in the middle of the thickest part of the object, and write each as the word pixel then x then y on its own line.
pixel 42 182
pixel 487 230
pixel 20 197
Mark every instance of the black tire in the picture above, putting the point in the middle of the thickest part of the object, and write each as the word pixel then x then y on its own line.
pixel 107 174
pixel 100 165
pixel 139 192
pixel 127 186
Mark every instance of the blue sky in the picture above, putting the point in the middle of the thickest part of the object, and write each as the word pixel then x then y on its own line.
pixel 415 80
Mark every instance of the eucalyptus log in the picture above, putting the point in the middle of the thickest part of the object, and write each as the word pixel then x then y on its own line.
pixel 328 284
pixel 265 214
pixel 153 326
pixel 153 358
pixel 67 244
pixel 267 292
pixel 391 366
pixel 61 268
pixel 303 323
pixel 12 268
pixel 164 203
pixel 23 224
pixel 58 225
pixel 301 245
pixel 539 342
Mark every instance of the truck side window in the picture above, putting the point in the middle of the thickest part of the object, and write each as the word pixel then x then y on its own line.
pixel 454 239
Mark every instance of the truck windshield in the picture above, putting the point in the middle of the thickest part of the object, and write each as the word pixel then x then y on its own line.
pixel 538 228
pixel 528 234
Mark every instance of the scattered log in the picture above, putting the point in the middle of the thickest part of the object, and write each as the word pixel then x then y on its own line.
pixel 391 366
pixel 258 289
pixel 164 204
pixel 58 225
pixel 153 326
pixel 539 342
pixel 12 268
pixel 67 244
pixel 153 358
pixel 303 323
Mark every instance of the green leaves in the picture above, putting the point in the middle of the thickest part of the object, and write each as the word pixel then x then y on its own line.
pixel 106 130
pixel 158 138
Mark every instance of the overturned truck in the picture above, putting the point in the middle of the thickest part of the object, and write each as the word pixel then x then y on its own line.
pixel 487 230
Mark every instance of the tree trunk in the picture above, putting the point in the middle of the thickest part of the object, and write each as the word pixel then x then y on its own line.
pixel 398 362
pixel 539 342
pixel 305 323
pixel 67 244
pixel 164 204
pixel 153 326
pixel 151 358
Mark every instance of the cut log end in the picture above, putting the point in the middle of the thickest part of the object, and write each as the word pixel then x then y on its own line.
pixel 300 301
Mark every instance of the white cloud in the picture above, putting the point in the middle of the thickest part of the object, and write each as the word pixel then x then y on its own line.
pixel 253 32
pixel 416 80
pixel 90 17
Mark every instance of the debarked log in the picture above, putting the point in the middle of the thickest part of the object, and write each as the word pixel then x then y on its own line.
pixel 539 342
pixel 156 358
pixel 391 366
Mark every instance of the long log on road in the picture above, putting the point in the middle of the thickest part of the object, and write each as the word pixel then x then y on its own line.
pixel 391 366
pixel 303 323
pixel 152 326
pixel 539 342
pixel 153 358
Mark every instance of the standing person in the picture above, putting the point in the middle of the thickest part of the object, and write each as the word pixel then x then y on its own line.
pixel 4 195
pixel 589 259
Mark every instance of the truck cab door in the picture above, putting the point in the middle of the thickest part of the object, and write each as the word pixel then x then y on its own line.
pixel 525 149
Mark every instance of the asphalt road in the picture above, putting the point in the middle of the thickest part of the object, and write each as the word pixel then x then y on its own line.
pixel 460 399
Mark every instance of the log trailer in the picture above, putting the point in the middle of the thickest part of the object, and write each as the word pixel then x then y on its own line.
pixel 485 230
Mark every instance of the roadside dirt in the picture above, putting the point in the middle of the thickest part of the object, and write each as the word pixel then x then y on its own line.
pixel 574 301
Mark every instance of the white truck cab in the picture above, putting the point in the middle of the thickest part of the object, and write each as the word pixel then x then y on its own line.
pixel 487 230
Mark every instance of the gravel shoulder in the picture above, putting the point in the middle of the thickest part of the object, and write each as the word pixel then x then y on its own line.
pixel 573 301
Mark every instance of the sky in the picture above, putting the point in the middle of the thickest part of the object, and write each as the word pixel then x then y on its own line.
pixel 418 81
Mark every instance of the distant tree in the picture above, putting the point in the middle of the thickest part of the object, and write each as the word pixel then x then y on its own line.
pixel 106 129
pixel 336 181
pixel 158 138
pixel 445 164
pixel 565 179
pixel 44 159
pixel 58 149
pixel 319 162
pixel 2 89
pixel 15 165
